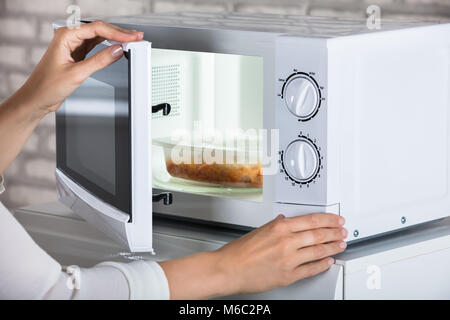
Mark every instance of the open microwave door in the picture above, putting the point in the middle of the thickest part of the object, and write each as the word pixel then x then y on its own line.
pixel 104 148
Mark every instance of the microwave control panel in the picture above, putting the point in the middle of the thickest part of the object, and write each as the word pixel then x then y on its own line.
pixel 301 118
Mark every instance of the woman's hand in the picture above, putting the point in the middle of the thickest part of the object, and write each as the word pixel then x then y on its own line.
pixel 277 254
pixel 283 251
pixel 63 68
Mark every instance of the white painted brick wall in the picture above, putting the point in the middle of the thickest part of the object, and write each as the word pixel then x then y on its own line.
pixel 427 2
pixel 172 6
pixel 32 144
pixel 26 30
pixel 39 169
pixel 27 193
pixel 16 80
pixel 300 9
pixel 326 12
pixel 13 55
pixel 113 7
pixel 51 143
pixel 4 90
pixel 14 169
pixel 46 31
pixel 37 53
pixel 49 120
pixel 37 7
pixel 10 26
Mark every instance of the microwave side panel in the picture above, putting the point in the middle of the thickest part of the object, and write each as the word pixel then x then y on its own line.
pixel 391 91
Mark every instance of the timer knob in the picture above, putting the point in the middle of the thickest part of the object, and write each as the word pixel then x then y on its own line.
pixel 302 96
pixel 301 160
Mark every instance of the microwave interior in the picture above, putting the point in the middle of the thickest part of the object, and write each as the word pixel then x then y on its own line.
pixel 211 143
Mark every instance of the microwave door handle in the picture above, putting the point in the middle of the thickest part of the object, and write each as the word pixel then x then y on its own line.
pixel 165 107
pixel 167 198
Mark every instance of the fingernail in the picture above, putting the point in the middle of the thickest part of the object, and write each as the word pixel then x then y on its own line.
pixel 341 221
pixel 343 245
pixel 330 261
pixel 344 232
pixel 116 51
pixel 281 216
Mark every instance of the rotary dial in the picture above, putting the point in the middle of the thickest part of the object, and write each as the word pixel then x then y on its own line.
pixel 302 96
pixel 301 160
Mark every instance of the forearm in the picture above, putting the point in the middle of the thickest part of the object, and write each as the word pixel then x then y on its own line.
pixel 18 118
pixel 198 276
pixel 28 272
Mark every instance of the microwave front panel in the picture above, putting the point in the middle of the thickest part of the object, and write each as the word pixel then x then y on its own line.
pixel 301 116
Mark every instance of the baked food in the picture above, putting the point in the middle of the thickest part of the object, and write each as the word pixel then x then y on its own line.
pixel 235 175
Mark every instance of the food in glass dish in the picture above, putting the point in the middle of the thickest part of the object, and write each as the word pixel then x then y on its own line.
pixel 233 175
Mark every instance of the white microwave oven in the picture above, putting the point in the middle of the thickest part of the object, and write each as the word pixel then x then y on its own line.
pixel 232 119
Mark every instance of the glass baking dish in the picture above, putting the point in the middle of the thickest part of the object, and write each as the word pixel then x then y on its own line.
pixel 233 166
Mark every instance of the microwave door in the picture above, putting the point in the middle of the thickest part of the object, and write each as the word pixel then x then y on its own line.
pixel 104 148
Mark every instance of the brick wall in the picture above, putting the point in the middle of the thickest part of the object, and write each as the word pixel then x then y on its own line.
pixel 25 30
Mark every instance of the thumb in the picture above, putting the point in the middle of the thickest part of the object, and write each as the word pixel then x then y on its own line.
pixel 100 60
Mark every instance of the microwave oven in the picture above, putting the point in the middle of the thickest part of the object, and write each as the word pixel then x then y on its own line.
pixel 264 114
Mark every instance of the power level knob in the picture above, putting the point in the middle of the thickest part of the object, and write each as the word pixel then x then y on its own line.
pixel 302 96
pixel 301 160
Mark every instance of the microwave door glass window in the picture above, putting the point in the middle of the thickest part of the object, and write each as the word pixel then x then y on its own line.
pixel 90 144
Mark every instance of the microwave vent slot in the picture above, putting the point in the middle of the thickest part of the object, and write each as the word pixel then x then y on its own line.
pixel 166 87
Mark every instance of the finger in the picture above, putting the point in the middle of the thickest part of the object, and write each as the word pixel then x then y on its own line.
pixel 101 24
pixel 107 31
pixel 314 221
pixel 313 268
pixel 319 251
pixel 99 61
pixel 124 30
pixel 317 236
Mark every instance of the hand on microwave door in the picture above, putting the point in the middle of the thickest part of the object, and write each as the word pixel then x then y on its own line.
pixel 277 254
pixel 61 70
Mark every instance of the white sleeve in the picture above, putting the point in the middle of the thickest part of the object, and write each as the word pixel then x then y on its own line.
pixel 28 272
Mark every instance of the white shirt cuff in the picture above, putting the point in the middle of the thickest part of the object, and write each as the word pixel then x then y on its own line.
pixel 2 186
pixel 146 279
